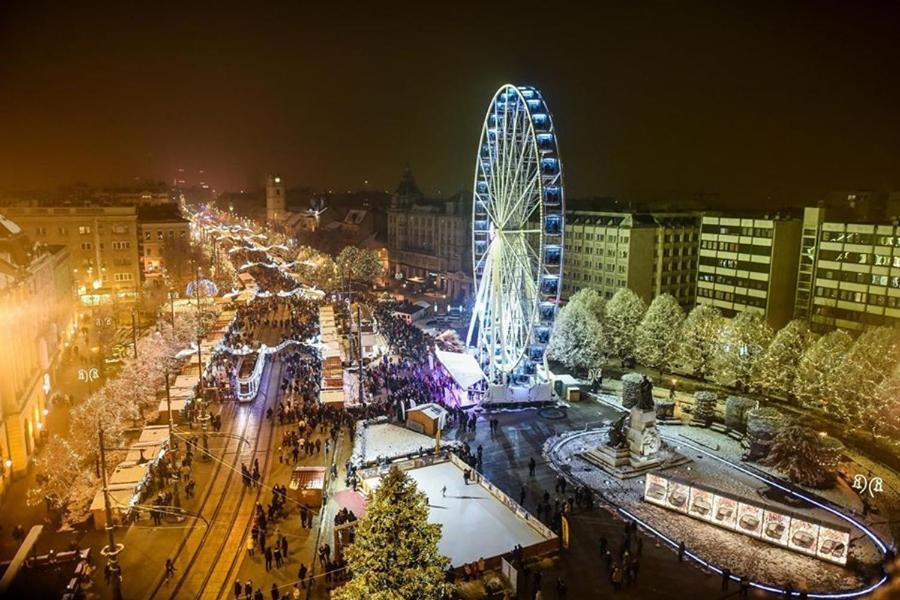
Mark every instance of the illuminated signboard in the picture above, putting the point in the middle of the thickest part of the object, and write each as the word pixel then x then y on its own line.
pixel 780 527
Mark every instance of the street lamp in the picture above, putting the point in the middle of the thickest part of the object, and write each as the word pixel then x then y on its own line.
pixel 111 550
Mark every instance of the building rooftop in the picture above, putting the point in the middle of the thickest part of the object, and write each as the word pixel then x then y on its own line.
pixel 160 214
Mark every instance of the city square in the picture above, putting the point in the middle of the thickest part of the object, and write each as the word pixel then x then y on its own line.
pixel 295 373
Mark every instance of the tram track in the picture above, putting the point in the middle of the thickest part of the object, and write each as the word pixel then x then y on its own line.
pixel 196 556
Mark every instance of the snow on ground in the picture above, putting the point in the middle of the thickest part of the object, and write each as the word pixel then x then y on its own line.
pixel 378 440
pixel 761 561
pixel 474 523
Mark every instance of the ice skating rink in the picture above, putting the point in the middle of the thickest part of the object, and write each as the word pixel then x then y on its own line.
pixel 475 523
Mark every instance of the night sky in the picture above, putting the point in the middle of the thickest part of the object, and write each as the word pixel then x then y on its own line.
pixel 759 102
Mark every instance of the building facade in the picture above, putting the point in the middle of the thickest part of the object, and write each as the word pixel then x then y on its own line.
pixel 37 319
pixel 429 241
pixel 648 253
pixel 849 272
pixel 162 234
pixel 749 264
pixel 102 240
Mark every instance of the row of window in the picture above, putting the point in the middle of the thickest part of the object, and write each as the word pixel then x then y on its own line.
pixel 760 232
pixel 116 245
pixel 867 239
pixel 736 247
pixel 864 278
pixel 732 297
pixel 833 312
pixel 729 263
pixel 858 297
pixel 82 230
pixel 599 237
pixel 161 235
pixel 743 282
pixel 860 258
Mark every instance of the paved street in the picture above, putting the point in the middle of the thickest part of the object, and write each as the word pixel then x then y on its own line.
pixel 506 457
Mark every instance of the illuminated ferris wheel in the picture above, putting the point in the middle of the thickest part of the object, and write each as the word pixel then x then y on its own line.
pixel 517 236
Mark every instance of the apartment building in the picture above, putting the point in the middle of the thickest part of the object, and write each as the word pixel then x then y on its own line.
pixel 749 264
pixel 36 318
pixel 102 241
pixel 649 253
pixel 849 271
pixel 162 233
pixel 429 240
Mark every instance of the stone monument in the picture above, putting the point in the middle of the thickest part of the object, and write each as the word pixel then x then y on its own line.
pixel 633 441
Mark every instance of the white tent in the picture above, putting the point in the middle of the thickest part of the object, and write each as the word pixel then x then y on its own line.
pixel 463 368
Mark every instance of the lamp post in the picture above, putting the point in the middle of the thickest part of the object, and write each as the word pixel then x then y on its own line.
pixel 134 332
pixel 360 345
pixel 111 550
pixel 204 414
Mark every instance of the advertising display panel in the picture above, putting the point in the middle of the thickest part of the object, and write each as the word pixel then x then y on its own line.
pixel 784 528
pixel 804 537
pixel 776 527
pixel 833 545
pixel 701 505
pixel 750 519
pixel 655 489
pixel 677 496
pixel 725 512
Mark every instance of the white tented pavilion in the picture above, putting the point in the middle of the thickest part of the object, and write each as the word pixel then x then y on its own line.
pixel 466 374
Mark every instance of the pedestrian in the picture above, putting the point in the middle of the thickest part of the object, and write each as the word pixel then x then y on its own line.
pixel 251 545
pixel 522 496
pixel 170 569
pixel 274 592
pixel 726 576
pixel 301 574
pixel 276 553
pixel 268 555
pixel 744 587
pixel 248 589
pixel 238 588
pixel 617 577
pixel 284 548
pixel 466 476
pixel 561 589
pixel 444 492
pixel 531 466
pixel 681 550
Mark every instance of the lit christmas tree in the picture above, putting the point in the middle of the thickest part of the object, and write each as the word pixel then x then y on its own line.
pixel 395 555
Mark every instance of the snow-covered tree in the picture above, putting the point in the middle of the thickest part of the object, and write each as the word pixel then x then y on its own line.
pixel 775 372
pixel 577 338
pixel 591 300
pixel 395 555
pixel 742 343
pixel 873 356
pixel 816 383
pixel 359 264
pixel 798 452
pixel 66 480
pixel 882 416
pixel 624 312
pixel 700 339
pixel 659 334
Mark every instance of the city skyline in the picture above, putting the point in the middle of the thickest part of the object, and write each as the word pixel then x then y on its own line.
pixel 779 105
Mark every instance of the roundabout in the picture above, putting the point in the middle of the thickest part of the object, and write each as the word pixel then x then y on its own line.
pixel 769 567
